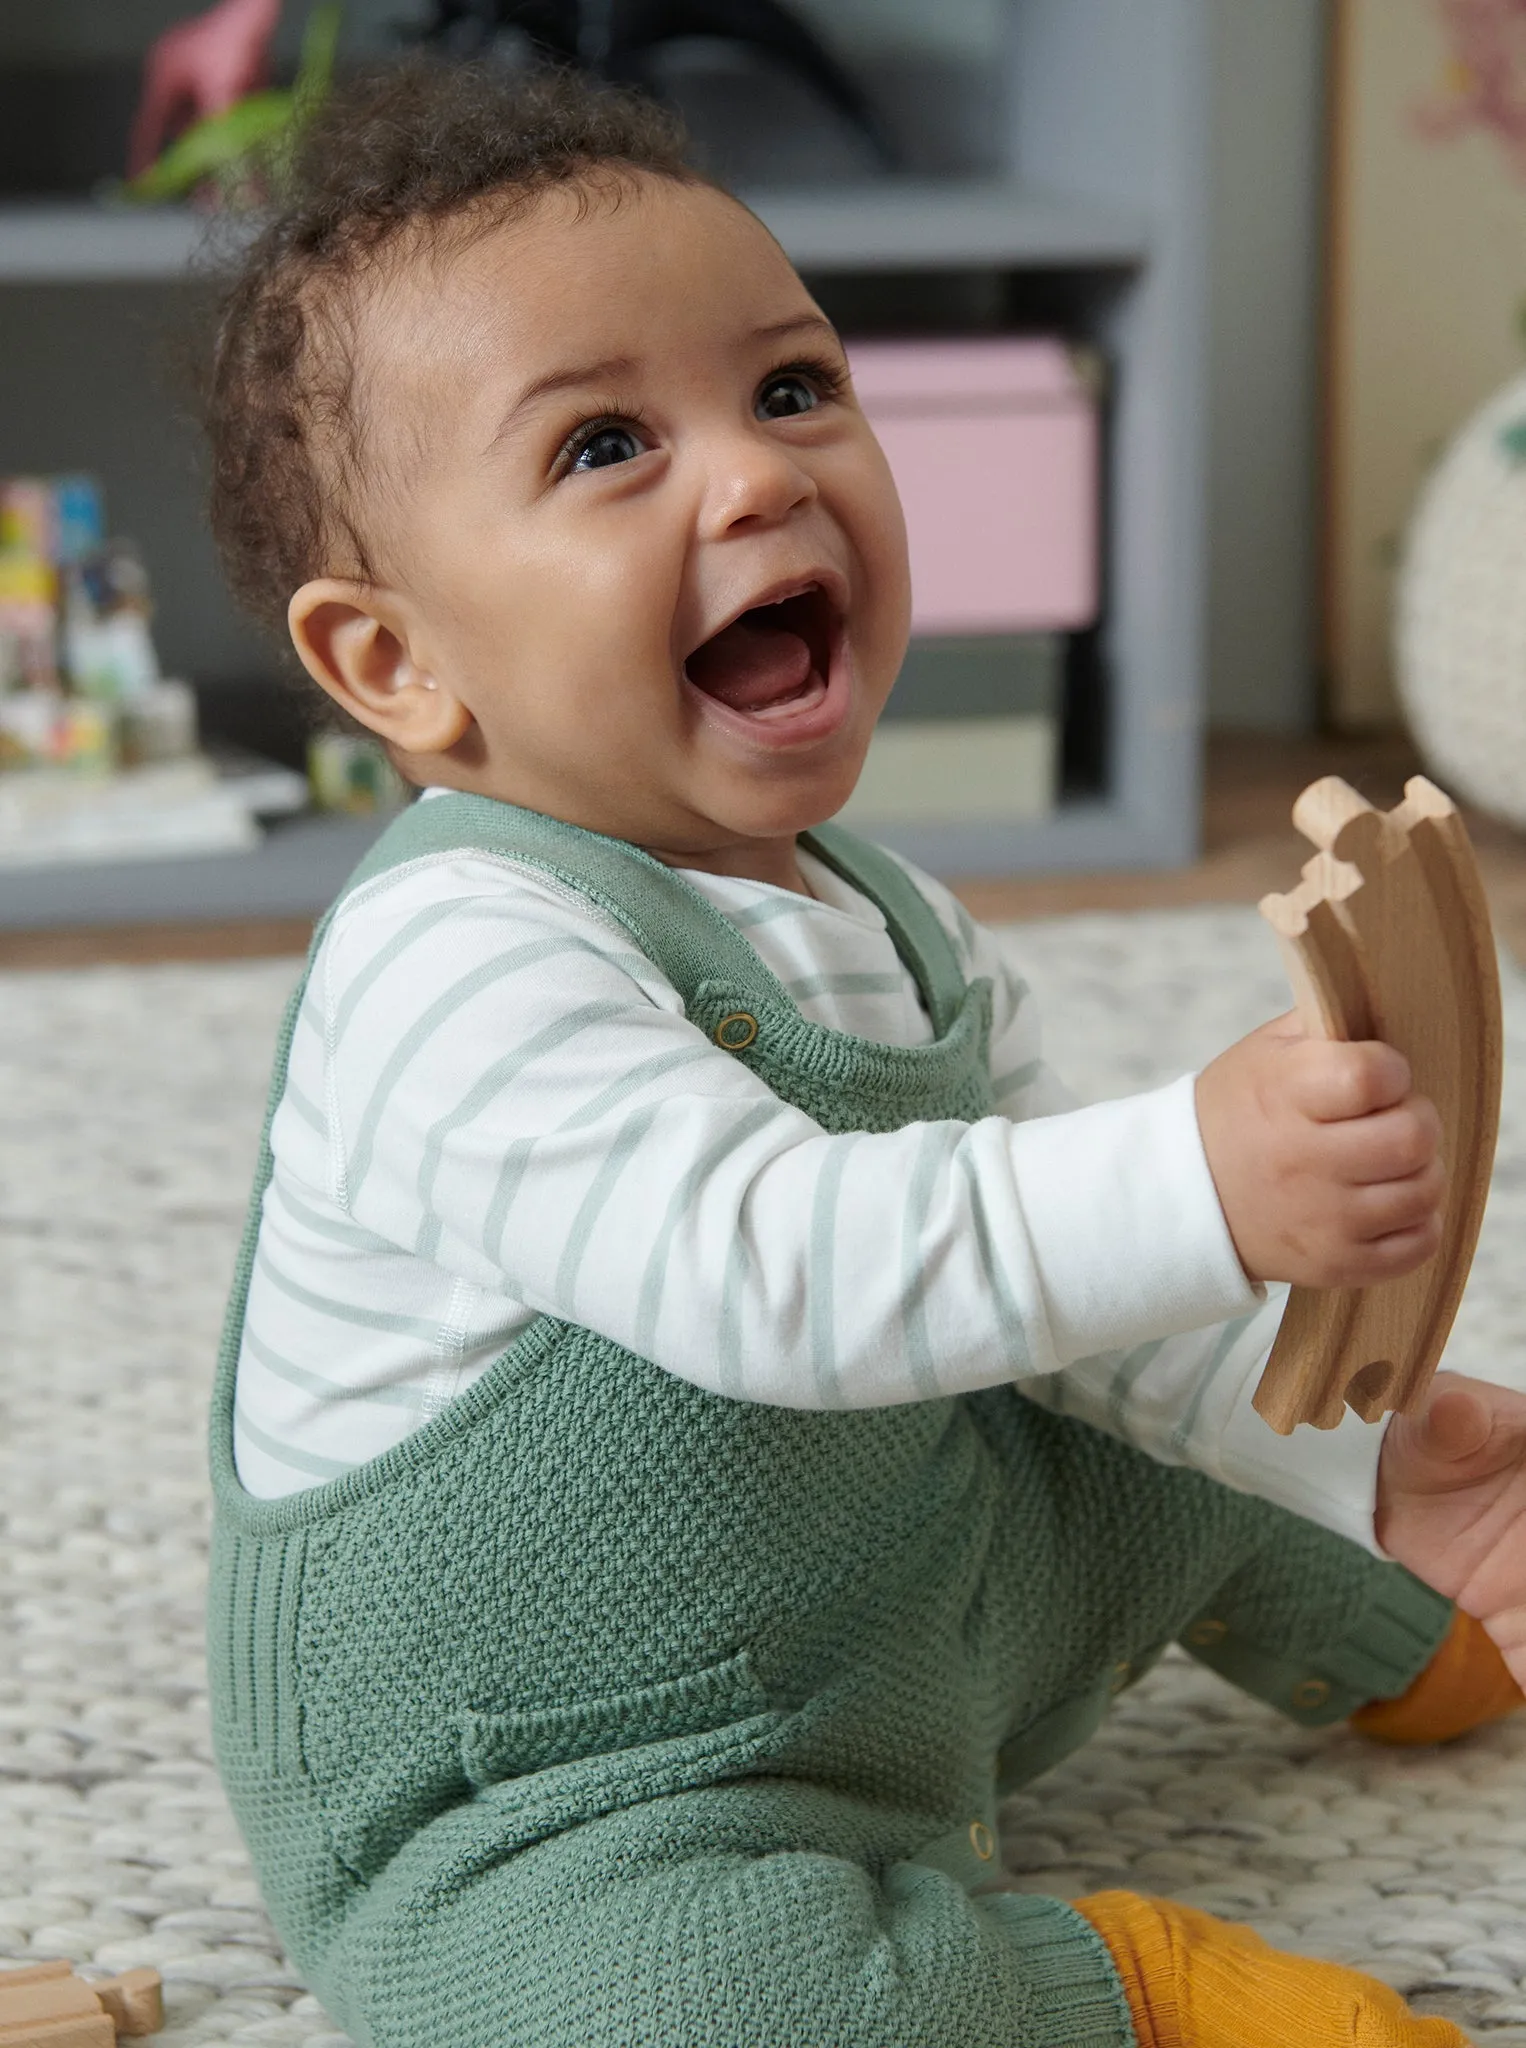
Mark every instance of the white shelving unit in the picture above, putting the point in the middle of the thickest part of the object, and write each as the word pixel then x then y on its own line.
pixel 894 223
pixel 1102 210
pixel 77 243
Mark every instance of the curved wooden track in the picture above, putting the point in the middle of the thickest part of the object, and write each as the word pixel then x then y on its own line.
pixel 1388 936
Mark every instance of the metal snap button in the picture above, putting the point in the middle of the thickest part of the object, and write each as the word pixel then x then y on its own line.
pixel 1204 1634
pixel 736 1032
pixel 1311 1692
pixel 1122 1673
pixel 982 1841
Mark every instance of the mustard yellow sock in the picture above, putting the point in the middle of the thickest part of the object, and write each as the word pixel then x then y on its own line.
pixel 1466 1684
pixel 1195 1982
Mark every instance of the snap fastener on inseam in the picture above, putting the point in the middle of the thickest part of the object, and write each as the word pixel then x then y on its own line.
pixel 1122 1673
pixel 736 1032
pixel 1311 1692
pixel 1204 1634
pixel 982 1841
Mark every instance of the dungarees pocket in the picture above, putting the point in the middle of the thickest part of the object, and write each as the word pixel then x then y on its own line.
pixel 547 1768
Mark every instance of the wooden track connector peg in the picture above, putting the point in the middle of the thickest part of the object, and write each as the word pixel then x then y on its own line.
pixel 1387 936
pixel 44 2005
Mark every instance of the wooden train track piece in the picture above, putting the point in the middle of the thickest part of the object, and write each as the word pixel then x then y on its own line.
pixel 1387 936
pixel 44 2005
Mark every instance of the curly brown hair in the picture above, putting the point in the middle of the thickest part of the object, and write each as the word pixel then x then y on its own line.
pixel 422 144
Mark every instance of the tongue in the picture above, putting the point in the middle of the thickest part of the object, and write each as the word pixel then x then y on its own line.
pixel 750 667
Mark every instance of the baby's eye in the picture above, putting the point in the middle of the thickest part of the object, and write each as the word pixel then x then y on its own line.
pixel 607 445
pixel 785 395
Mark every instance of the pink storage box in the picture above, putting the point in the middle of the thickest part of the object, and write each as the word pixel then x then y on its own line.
pixel 993 445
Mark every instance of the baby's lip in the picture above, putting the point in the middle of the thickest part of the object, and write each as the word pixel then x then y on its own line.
pixel 831 582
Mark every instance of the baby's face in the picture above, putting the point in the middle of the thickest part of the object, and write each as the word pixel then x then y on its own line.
pixel 636 522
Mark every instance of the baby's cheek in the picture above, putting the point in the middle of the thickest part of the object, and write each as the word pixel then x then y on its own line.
pixel 618 592
pixel 881 540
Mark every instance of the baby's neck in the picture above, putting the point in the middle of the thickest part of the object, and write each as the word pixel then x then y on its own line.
pixel 775 861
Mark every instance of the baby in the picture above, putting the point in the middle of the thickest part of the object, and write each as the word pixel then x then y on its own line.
pixel 701 1417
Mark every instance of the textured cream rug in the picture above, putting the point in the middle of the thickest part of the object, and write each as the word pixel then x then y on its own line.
pixel 129 1105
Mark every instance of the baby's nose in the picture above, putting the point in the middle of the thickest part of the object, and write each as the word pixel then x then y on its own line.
pixel 754 484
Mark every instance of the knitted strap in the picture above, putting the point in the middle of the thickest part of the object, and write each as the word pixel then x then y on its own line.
pixel 918 935
pixel 670 922
pixel 677 928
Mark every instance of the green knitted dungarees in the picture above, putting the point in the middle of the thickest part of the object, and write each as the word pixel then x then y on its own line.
pixel 605 1712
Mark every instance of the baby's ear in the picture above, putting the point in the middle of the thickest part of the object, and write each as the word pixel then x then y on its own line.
pixel 355 643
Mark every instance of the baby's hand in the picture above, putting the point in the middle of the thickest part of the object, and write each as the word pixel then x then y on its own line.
pixel 1452 1503
pixel 1325 1161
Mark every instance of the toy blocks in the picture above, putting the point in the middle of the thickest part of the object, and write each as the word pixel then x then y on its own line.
pixel 46 2006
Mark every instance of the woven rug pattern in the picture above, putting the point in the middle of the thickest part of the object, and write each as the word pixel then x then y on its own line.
pixel 129 1107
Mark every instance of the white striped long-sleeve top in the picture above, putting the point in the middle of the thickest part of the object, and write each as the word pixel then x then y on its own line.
pixel 496 1109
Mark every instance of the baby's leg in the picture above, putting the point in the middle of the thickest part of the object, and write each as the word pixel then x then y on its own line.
pixel 1304 1620
pixel 701 1922
pixel 1122 1555
pixel 1314 1625
pixel 741 1917
pixel 1321 1630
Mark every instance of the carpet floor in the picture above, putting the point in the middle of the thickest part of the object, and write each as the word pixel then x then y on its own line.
pixel 129 1107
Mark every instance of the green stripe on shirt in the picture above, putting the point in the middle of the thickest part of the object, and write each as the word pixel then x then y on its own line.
pixel 502 967
pixel 498 1077
pixel 919 1200
pixel 654 1279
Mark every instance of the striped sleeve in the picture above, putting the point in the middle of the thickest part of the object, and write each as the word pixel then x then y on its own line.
pixel 515 1097
pixel 1185 1399
pixel 1188 1401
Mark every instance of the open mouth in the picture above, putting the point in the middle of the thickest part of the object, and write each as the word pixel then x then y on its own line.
pixel 772 662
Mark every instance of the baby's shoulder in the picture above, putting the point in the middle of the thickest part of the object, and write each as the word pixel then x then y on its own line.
pixel 444 921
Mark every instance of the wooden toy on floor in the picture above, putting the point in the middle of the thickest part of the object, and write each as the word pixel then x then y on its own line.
pixel 1387 936
pixel 46 2006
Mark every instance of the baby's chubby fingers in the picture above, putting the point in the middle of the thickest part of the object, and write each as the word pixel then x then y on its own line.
pixel 1335 1083
pixel 1451 1502
pixel 1390 1231
pixel 1394 1144
pixel 1387 1178
pixel 1326 1162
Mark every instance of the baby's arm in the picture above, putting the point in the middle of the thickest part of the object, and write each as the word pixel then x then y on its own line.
pixel 515 1095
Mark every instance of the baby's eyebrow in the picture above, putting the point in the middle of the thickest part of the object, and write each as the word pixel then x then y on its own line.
pixel 802 323
pixel 579 377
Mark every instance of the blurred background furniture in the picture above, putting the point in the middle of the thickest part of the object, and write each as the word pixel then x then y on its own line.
pixel 1460 641
pixel 1141 184
pixel 1427 292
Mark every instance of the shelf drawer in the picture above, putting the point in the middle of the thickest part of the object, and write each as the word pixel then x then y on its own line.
pixel 971 732
pixel 993 446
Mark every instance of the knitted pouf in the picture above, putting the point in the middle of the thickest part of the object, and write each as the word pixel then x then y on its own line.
pixel 1461 622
